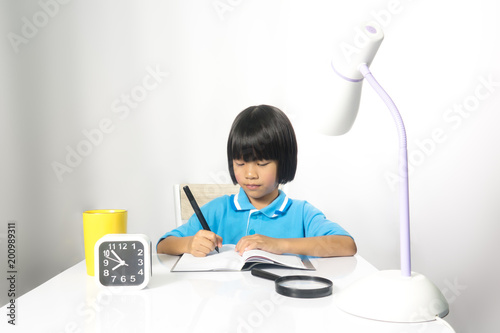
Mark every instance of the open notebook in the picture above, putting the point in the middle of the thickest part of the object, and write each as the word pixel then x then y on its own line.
pixel 230 260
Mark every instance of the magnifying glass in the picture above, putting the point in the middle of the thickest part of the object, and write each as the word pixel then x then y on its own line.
pixel 300 286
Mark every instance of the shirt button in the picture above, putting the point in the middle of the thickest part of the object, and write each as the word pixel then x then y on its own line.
pixel 251 232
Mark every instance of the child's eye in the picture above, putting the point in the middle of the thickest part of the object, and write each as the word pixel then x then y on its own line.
pixel 263 163
pixel 238 163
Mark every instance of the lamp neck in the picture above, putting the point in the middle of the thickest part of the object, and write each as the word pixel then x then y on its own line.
pixel 404 205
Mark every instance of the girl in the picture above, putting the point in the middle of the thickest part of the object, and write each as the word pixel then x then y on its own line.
pixel 261 155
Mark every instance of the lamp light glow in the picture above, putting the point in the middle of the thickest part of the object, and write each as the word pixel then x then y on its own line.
pixel 394 295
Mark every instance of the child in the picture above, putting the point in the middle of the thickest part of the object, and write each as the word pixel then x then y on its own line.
pixel 261 153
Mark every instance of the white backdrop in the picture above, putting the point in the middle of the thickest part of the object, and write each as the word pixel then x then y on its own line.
pixel 108 104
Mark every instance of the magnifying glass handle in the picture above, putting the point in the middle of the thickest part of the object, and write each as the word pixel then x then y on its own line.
pixel 264 274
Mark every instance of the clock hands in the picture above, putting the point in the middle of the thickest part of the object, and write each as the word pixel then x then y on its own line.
pixel 120 262
pixel 111 259
pixel 117 257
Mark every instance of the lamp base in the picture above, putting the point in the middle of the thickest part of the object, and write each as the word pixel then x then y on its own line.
pixel 390 296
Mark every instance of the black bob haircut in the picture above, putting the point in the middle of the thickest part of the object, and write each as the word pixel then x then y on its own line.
pixel 263 132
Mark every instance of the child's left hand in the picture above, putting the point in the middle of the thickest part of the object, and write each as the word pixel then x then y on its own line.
pixel 259 242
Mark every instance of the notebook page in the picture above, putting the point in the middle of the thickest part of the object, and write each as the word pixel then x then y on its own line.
pixel 266 257
pixel 227 259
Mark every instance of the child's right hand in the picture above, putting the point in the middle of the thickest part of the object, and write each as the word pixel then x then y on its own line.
pixel 204 242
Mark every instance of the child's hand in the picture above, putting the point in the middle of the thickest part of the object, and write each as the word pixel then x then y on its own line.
pixel 259 242
pixel 203 243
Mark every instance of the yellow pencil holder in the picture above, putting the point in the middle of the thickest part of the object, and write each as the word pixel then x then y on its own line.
pixel 97 223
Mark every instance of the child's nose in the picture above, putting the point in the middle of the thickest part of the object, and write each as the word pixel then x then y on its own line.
pixel 250 173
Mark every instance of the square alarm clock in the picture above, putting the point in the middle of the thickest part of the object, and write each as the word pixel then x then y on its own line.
pixel 123 260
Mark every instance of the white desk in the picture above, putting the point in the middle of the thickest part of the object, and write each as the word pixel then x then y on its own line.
pixel 195 302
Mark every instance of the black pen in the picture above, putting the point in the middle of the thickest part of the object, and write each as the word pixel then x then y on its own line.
pixel 197 211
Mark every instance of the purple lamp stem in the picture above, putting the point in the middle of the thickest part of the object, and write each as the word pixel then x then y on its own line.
pixel 404 205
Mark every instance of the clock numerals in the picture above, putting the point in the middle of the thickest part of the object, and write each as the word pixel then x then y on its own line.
pixel 122 263
pixel 123 260
pixel 119 246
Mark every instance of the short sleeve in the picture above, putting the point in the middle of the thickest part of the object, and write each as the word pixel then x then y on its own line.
pixel 316 223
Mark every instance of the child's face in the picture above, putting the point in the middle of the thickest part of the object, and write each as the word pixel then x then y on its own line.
pixel 258 179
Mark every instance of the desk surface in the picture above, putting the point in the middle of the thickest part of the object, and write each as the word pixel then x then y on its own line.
pixel 196 302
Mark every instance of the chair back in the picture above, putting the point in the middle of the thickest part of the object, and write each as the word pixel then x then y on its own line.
pixel 203 193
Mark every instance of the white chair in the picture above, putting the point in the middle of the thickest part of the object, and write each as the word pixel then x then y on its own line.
pixel 203 193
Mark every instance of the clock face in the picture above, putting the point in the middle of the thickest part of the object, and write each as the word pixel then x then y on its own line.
pixel 123 263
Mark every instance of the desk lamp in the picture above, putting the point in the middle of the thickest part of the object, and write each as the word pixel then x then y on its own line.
pixel 388 295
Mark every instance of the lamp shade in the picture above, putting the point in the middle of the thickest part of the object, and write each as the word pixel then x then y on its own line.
pixel 345 104
pixel 359 47
pixel 356 48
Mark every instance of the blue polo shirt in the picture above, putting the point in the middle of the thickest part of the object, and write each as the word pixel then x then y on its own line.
pixel 233 217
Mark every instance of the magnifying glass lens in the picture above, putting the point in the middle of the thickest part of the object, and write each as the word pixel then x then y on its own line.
pixel 303 284
pixel 300 286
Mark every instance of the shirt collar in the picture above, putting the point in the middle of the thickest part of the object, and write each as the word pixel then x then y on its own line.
pixel 240 202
